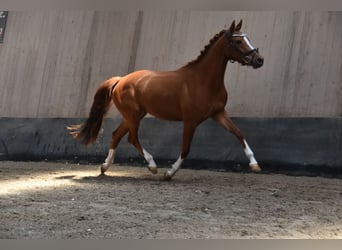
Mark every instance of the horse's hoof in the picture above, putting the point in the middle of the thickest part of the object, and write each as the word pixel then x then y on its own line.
pixel 255 168
pixel 153 170
pixel 167 176
pixel 103 169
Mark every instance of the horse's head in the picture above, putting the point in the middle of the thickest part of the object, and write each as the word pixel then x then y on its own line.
pixel 240 49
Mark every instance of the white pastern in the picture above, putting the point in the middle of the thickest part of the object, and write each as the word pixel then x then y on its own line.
pixel 250 155
pixel 175 166
pixel 149 158
pixel 152 166
pixel 108 160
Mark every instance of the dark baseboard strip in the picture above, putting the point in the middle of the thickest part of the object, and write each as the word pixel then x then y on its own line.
pixel 308 146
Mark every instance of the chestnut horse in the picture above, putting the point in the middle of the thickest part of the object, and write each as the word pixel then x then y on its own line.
pixel 192 94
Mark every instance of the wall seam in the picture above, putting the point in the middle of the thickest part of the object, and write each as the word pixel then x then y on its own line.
pixel 135 41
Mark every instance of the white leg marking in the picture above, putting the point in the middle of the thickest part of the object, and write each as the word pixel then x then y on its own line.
pixel 152 166
pixel 149 158
pixel 249 153
pixel 175 167
pixel 108 161
pixel 253 164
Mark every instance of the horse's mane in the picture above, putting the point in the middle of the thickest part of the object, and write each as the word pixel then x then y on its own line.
pixel 206 48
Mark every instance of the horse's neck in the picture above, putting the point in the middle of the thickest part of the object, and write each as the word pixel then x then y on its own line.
pixel 213 65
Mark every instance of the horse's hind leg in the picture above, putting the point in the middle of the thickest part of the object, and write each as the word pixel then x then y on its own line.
pixel 134 140
pixel 117 135
pixel 224 120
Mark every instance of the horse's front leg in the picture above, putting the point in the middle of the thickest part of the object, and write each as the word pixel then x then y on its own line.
pixel 224 120
pixel 188 133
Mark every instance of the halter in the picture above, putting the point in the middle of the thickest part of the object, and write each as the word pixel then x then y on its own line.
pixel 246 54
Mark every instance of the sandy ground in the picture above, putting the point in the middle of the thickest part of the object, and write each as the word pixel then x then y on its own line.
pixel 60 201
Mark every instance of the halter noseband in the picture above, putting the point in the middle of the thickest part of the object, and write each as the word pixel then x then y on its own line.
pixel 230 42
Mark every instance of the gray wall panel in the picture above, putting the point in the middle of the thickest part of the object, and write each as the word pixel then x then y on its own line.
pixel 52 62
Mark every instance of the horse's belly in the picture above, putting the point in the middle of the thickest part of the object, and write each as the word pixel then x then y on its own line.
pixel 163 107
pixel 160 95
pixel 165 112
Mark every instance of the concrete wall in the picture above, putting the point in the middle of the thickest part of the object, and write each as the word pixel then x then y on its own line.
pixel 286 145
pixel 52 62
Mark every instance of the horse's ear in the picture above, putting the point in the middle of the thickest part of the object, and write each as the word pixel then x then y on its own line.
pixel 238 26
pixel 232 27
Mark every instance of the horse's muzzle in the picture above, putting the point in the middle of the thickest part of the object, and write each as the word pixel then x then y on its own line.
pixel 257 61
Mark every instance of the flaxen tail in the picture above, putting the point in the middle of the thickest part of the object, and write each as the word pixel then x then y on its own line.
pixel 89 130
